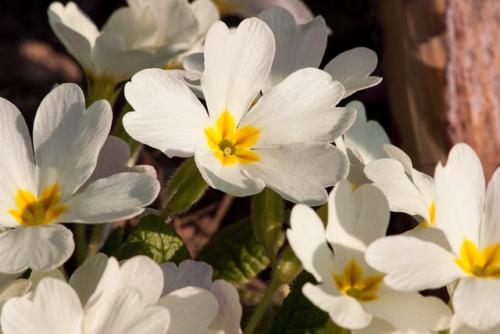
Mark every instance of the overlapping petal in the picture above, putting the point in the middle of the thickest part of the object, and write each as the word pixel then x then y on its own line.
pixel 167 115
pixel 236 66
pixel 353 68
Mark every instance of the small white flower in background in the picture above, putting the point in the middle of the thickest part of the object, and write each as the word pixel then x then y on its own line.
pixel 149 33
pixel 352 292
pixel 104 296
pixel 199 274
pixel 48 186
pixel 282 142
pixel 406 189
pixel 363 142
pixel 469 220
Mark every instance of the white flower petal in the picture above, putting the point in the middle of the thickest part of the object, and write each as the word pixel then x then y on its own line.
pixel 16 288
pixel 458 327
pixel 490 230
pixel 189 273
pixel 40 248
pixel 355 219
pixel 17 168
pixel 412 264
pixel 37 276
pixel 230 311
pixel 55 309
pixel 425 185
pixel 352 68
pixel 299 172
pixel 236 66
pixel 299 10
pixel 115 61
pixel 229 179
pixel 411 312
pixel 75 30
pixel 67 138
pixel 368 137
pixel 182 304
pixel 206 13
pixel 476 302
pixel 345 311
pixel 86 277
pixel 397 154
pixel 301 108
pixel 167 115
pixel 297 46
pixel 388 175
pixel 120 196
pixel 307 239
pixel 125 312
pixel 460 190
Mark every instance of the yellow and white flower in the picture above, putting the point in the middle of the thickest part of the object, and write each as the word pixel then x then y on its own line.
pixel 281 142
pixel 469 221
pixel 353 293
pixel 45 184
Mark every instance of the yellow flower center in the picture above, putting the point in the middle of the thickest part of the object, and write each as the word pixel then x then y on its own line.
pixel 432 215
pixel 32 211
pixel 232 145
pixel 352 283
pixel 479 264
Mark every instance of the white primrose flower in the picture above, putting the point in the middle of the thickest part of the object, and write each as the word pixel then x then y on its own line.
pixel 363 142
pixel 148 33
pixel 352 292
pixel 54 308
pixel 406 189
pixel 281 142
pixel 44 184
pixel 199 274
pixel 100 278
pixel 469 220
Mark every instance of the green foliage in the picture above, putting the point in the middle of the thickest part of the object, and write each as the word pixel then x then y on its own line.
pixel 156 239
pixel 298 315
pixel 234 253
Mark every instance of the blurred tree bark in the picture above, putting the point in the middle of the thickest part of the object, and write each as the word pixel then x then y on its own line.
pixel 442 70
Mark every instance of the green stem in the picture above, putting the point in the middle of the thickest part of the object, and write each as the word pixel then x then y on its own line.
pixel 80 243
pixel 95 239
pixel 266 299
pixel 102 89
pixel 267 214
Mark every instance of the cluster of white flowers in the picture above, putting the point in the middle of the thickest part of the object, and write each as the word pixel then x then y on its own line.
pixel 270 119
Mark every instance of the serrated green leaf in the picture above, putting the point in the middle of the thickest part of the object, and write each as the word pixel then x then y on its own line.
pixel 154 238
pixel 298 315
pixel 234 253
pixel 113 242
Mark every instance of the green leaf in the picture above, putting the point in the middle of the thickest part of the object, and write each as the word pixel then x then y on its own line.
pixel 234 253
pixel 298 315
pixel 156 239
pixel 113 242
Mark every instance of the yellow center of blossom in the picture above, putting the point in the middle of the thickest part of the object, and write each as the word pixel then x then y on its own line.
pixel 232 145
pixel 32 211
pixel 432 215
pixel 479 264
pixel 352 283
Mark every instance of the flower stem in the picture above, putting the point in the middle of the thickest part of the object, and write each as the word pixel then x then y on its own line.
pixel 95 239
pixel 266 299
pixel 120 132
pixel 267 214
pixel 102 89
pixel 80 243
